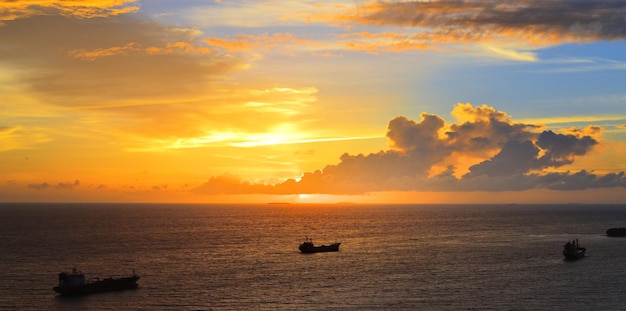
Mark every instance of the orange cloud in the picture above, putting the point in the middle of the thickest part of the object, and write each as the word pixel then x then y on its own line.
pixel 245 43
pixel 121 67
pixel 383 42
pixel 169 48
pixel 104 52
pixel 145 86
pixel 12 10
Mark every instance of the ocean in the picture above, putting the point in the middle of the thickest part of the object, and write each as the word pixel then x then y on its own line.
pixel 245 257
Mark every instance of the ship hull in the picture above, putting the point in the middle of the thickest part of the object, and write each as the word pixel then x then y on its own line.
pixel 105 285
pixel 574 255
pixel 320 249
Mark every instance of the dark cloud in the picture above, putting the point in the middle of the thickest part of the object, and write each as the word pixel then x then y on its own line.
pixel 515 157
pixel 159 187
pixel 544 20
pixel 520 157
pixel 582 180
pixel 561 149
pixel 68 185
pixel 61 185
pixel 41 186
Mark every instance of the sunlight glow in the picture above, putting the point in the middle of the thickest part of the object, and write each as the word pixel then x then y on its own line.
pixel 282 139
pixel 231 101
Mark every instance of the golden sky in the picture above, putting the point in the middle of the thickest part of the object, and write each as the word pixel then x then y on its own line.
pixel 299 101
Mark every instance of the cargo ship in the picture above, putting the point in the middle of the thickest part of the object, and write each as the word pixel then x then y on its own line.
pixel 573 251
pixel 73 283
pixel 619 232
pixel 308 247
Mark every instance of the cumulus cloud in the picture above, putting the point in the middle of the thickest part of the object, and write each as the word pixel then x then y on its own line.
pixel 515 158
pixel 508 156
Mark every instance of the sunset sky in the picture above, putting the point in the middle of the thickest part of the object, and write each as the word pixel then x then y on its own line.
pixel 520 101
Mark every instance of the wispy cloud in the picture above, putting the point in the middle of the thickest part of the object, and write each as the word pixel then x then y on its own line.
pixel 535 22
pixel 582 65
pixel 588 119
pixel 19 137
pixel 252 43
pixel 185 48
pixel 511 29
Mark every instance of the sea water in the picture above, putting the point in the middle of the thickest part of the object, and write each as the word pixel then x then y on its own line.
pixel 245 257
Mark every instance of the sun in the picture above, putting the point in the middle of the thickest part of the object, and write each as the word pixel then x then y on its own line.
pixel 304 197
pixel 326 198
